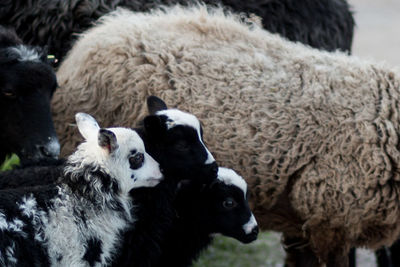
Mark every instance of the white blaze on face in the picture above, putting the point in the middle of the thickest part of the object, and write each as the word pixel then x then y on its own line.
pixel 178 117
pixel 25 54
pixel 250 225
pixel 116 162
pixel 150 169
pixel 149 173
pixel 230 177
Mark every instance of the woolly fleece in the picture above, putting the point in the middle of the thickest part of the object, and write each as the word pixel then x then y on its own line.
pixel 319 129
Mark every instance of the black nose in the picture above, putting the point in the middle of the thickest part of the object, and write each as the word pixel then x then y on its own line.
pixel 162 170
pixel 255 231
pixel 213 169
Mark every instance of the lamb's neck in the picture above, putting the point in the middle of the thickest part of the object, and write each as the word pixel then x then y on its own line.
pixel 93 186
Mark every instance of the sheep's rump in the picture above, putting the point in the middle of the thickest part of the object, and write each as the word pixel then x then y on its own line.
pixel 324 127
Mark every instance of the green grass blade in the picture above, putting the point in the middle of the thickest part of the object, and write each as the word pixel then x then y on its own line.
pixel 10 163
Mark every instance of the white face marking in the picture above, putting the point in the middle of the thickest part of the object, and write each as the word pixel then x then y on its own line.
pixel 178 117
pixel 230 177
pixel 149 173
pixel 117 163
pixel 25 54
pixel 249 226
pixel 53 146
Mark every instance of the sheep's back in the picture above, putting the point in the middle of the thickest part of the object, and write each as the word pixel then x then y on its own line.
pixel 280 113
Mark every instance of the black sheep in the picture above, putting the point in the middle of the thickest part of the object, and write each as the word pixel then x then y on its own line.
pixel 27 83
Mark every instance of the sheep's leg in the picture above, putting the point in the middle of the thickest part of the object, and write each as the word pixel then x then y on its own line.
pixel 338 258
pixel 384 258
pixel 352 257
pixel 299 253
pixel 394 253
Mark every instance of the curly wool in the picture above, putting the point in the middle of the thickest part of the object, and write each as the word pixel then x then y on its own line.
pixel 320 128
pixel 326 24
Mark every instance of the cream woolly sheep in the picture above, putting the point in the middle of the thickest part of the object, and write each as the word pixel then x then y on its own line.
pixel 314 133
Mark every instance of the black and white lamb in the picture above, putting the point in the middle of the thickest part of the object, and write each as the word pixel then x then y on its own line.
pixel 27 83
pixel 324 24
pixel 78 221
pixel 202 211
pixel 174 139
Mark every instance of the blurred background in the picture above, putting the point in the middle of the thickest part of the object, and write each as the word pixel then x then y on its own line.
pixel 377 32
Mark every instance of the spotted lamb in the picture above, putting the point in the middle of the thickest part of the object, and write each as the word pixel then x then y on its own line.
pixel 78 221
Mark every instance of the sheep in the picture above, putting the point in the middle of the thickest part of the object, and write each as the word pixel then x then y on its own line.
pixel 218 207
pixel 175 140
pixel 314 133
pixel 27 83
pixel 78 221
pixel 325 24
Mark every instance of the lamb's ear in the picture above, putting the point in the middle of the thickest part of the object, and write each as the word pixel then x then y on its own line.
pixel 155 104
pixel 107 140
pixel 87 125
pixel 154 126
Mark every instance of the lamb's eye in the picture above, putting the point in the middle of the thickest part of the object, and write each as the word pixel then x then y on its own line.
pixel 136 161
pixel 9 94
pixel 229 203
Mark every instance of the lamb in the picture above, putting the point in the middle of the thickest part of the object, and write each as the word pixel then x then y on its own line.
pixel 27 83
pixel 325 24
pixel 158 231
pixel 78 221
pixel 314 133
pixel 218 207
pixel 175 139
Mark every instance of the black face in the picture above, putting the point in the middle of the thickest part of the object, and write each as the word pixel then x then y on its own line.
pixel 222 208
pixel 229 210
pixel 26 88
pixel 178 150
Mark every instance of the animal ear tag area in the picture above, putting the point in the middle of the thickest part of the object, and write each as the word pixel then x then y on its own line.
pixel 52 59
pixel 155 104
pixel 87 125
pixel 107 140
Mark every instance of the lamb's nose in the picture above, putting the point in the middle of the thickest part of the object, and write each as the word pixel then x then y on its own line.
pixel 255 231
pixel 213 168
